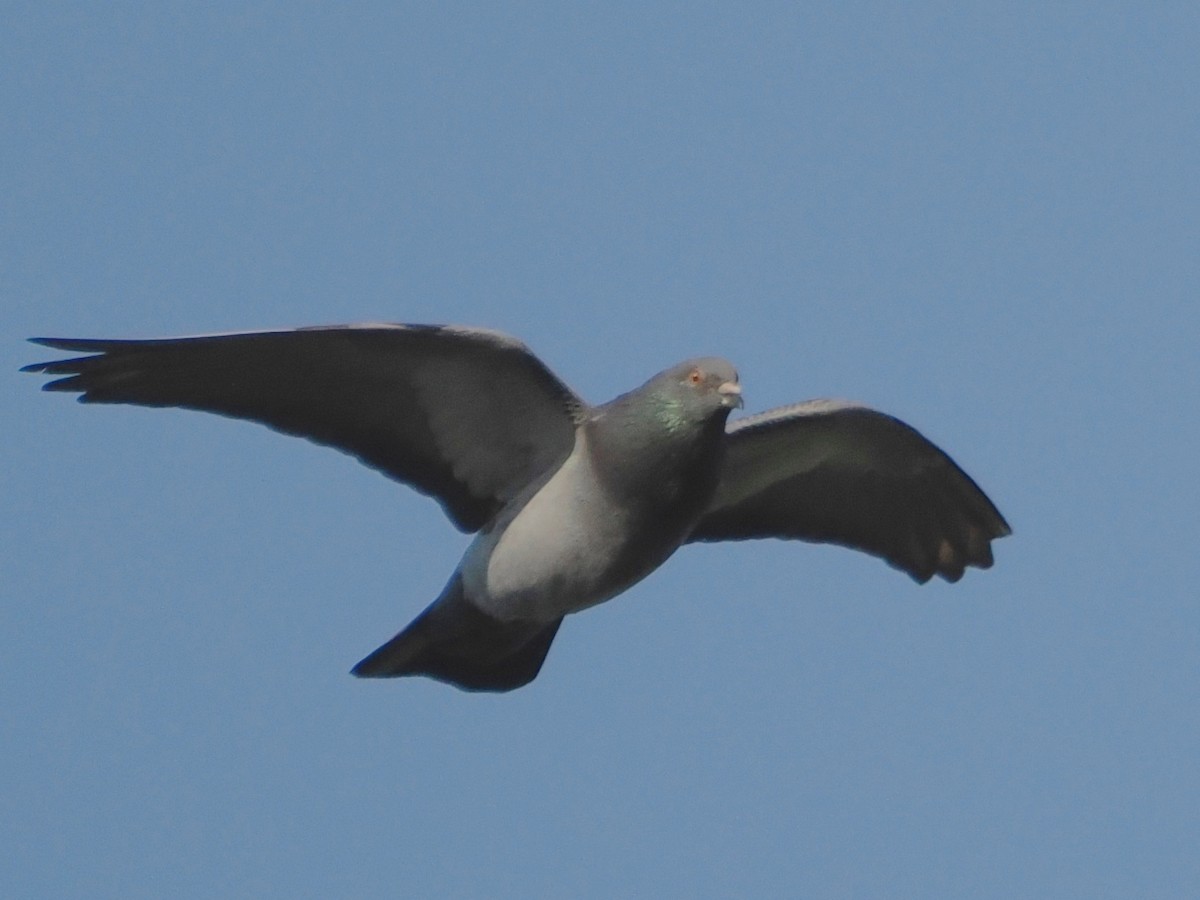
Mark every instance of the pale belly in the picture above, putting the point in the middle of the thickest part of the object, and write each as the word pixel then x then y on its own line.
pixel 569 548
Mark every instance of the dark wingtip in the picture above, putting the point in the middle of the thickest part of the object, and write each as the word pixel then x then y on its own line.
pixel 361 671
pixel 42 366
pixel 59 366
pixel 70 367
pixel 83 344
pixel 372 667
pixel 58 385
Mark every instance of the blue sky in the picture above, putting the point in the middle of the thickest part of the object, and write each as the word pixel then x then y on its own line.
pixel 985 221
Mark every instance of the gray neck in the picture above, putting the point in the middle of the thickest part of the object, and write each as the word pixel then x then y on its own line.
pixel 678 461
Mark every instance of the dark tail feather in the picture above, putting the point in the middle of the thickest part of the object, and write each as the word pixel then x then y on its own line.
pixel 454 642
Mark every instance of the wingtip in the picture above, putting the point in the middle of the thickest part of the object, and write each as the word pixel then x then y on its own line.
pixel 78 345
pixel 60 366
pixel 379 663
pixel 374 665
pixel 60 343
pixel 918 577
pixel 59 385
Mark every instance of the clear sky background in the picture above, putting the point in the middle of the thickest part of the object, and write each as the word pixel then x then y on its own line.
pixel 983 220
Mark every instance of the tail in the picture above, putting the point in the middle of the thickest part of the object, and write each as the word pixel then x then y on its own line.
pixel 453 641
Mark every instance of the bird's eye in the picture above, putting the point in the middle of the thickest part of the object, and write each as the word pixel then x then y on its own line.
pixel 694 376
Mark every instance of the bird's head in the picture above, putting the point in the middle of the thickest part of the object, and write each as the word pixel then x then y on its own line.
pixel 694 392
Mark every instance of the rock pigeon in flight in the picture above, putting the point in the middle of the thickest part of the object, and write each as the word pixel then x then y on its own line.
pixel 571 504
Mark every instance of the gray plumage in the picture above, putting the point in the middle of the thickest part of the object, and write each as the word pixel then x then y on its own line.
pixel 571 504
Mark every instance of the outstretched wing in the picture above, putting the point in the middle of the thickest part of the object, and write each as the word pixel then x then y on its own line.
pixel 467 415
pixel 839 473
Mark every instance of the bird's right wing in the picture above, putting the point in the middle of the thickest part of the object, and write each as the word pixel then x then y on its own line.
pixel 468 415
pixel 840 473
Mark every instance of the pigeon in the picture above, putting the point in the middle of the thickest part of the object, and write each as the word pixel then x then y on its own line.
pixel 570 504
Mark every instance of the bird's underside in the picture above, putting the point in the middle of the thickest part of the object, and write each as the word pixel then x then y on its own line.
pixel 474 419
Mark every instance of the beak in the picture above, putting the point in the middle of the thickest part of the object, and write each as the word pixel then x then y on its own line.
pixel 731 393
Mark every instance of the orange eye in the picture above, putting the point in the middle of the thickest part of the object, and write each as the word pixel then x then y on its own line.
pixel 694 376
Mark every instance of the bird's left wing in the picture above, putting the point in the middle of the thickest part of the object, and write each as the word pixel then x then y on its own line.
pixel 839 473
pixel 468 415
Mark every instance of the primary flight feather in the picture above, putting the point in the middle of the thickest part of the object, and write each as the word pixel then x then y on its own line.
pixel 571 503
